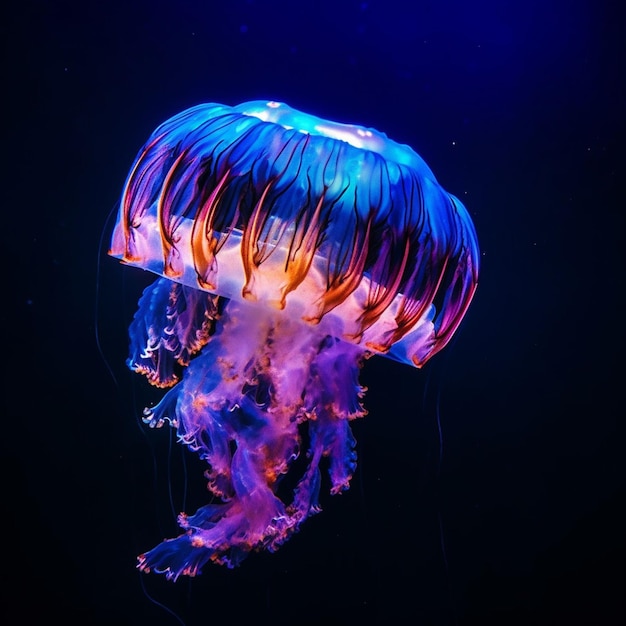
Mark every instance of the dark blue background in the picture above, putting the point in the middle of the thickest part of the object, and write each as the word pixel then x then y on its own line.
pixel 519 109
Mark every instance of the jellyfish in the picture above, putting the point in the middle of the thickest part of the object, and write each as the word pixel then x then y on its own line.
pixel 289 249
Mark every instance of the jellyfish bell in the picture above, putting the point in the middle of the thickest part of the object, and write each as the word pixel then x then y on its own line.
pixel 289 248
pixel 260 202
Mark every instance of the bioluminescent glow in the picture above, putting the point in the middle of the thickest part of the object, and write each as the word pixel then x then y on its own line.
pixel 289 249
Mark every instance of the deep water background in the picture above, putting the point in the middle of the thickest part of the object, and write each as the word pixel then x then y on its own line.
pixel 519 110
